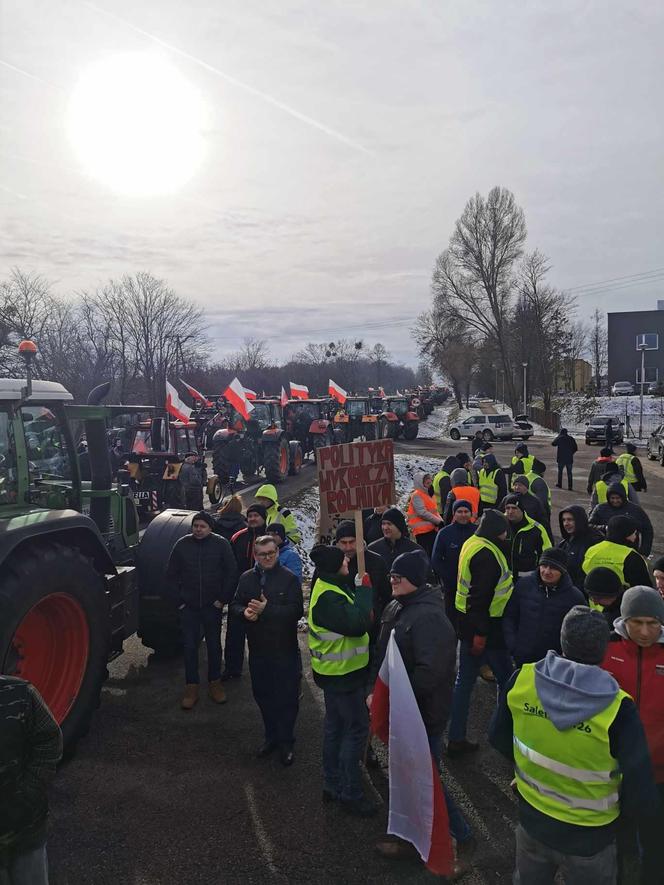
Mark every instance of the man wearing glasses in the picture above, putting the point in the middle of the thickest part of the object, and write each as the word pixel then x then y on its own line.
pixel 269 598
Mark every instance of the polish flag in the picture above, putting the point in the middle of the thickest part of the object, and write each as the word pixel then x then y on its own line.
pixel 197 395
pixel 284 397
pixel 175 406
pixel 236 396
pixel 250 394
pixel 337 392
pixel 418 812
pixel 299 391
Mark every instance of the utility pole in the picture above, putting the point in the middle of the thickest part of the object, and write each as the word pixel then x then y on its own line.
pixel 642 348
pixel 525 388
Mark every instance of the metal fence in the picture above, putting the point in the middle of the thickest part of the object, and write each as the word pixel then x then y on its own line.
pixel 545 417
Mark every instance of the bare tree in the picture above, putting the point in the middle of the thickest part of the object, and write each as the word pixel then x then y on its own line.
pixel 449 347
pixel 254 354
pixel 598 346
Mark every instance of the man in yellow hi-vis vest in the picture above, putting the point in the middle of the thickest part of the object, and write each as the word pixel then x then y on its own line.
pixel 580 758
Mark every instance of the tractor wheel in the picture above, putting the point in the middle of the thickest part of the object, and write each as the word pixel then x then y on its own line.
pixel 410 430
pixel 295 458
pixel 221 462
pixel 391 429
pixel 275 460
pixel 454 433
pixel 55 631
pixel 248 460
pixel 369 432
pixel 382 429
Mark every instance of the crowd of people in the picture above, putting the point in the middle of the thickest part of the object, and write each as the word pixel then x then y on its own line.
pixel 473 583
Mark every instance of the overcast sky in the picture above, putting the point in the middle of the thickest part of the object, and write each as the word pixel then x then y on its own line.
pixel 328 187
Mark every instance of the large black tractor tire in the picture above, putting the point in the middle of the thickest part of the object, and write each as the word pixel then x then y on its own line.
pixel 55 631
pixel 159 622
pixel 248 460
pixel 382 428
pixel 370 432
pixel 275 460
pixel 294 457
pixel 391 430
pixel 173 494
pixel 411 429
pixel 222 461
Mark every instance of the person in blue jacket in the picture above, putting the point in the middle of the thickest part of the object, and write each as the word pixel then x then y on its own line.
pixel 288 555
pixel 446 551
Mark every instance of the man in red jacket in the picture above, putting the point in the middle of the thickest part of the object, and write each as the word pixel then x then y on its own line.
pixel 635 658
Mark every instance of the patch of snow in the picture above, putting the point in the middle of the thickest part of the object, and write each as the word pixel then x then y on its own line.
pixel 437 423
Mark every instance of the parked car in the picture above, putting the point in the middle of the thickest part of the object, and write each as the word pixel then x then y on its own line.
pixel 622 388
pixel 523 422
pixel 596 430
pixel 492 427
pixel 655 445
pixel 656 388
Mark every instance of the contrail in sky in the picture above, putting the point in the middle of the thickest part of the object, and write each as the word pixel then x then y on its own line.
pixel 303 118
pixel 30 76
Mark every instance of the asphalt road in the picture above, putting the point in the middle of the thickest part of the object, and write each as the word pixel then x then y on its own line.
pixel 156 795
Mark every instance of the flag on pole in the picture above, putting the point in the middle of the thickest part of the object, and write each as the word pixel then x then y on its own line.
pixel 197 395
pixel 418 812
pixel 336 391
pixel 299 391
pixel 236 396
pixel 284 397
pixel 250 394
pixel 174 405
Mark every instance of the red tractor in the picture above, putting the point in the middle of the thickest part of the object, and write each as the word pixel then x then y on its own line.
pixel 309 422
pixel 398 419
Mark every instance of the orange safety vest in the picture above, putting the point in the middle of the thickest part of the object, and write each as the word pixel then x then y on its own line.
pixel 417 525
pixel 470 494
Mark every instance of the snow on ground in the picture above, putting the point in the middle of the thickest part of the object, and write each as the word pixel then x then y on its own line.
pixel 436 424
pixel 575 411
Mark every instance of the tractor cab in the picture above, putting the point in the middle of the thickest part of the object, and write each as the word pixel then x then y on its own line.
pixel 356 419
pixel 156 454
pixel 309 421
pixel 398 418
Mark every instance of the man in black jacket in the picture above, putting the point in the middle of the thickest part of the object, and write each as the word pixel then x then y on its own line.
pixel 395 540
pixel 566 448
pixel 269 598
pixel 530 504
pixel 203 573
pixel 30 748
pixel 618 505
pixel 528 539
pixel 577 536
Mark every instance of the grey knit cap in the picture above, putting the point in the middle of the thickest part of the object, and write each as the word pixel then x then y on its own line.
pixel 459 477
pixel 642 602
pixel 584 635
pixel 523 480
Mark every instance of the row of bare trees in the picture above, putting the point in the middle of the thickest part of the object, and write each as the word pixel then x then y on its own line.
pixel 493 309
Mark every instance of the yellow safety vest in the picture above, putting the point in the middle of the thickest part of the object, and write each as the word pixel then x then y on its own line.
pixel 441 475
pixel 626 462
pixel 607 554
pixel 504 587
pixel 602 487
pixel 333 654
pixel 488 486
pixel 568 775
pixel 527 461
pixel 532 476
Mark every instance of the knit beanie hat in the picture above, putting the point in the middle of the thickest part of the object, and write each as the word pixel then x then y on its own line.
pixel 412 566
pixel 259 509
pixel 520 478
pixel 345 529
pixel 602 581
pixel 512 499
pixel 459 477
pixel 658 564
pixel 642 602
pixel 556 558
pixel 462 503
pixel 326 558
pixel 277 529
pixel 631 447
pixel 584 635
pixel 521 447
pixel 618 528
pixel 203 516
pixel 605 452
pixel 396 517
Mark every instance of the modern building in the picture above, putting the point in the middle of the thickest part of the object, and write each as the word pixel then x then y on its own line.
pixel 630 334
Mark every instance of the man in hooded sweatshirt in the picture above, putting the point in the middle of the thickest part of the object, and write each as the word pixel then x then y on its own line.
pixel 580 758
pixel 612 474
pixel 491 481
pixel 267 496
pixel 577 537
pixel 635 659
pixel 619 553
pixel 422 514
pixel 461 491
pixel 598 467
pixel 618 505
pixel 484 587
pixel 522 460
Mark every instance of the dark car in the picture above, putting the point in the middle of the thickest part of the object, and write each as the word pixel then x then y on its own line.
pixel 596 430
pixel 655 445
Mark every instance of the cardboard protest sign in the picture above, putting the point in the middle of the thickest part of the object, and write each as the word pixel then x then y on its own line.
pixel 351 477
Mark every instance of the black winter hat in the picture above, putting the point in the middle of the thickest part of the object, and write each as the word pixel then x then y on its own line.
pixel 463 458
pixel 602 581
pixel 642 602
pixel 618 528
pixel 631 447
pixel 556 558
pixel 259 509
pixel 492 523
pixel 521 447
pixel 461 502
pixel 326 558
pixel 658 564
pixel 411 565
pixel 523 480
pixel 513 498
pixel 277 528
pixel 396 517
pixel 203 516
pixel 584 635
pixel 539 467
pixel 345 529
pixel 605 452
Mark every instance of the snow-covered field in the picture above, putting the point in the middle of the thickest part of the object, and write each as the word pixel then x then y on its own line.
pixel 436 424
pixel 575 411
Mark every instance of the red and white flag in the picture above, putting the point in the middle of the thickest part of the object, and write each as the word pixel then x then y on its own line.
pixel 175 406
pixel 284 397
pixel 250 394
pixel 337 392
pixel 418 812
pixel 236 396
pixel 299 391
pixel 197 395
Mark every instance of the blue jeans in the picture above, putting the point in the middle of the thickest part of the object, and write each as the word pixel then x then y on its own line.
pixel 345 733
pixel 469 667
pixel 236 634
pixel 193 621
pixel 459 826
pixel 30 868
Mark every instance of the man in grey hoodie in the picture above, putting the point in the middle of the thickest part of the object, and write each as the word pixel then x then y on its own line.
pixel 580 758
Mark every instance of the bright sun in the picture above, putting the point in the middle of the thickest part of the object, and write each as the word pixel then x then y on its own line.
pixel 136 124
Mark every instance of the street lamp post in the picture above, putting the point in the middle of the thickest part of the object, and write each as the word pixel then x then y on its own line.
pixel 525 388
pixel 502 379
pixel 495 389
pixel 642 348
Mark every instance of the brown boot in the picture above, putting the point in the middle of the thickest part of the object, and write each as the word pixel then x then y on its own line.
pixel 190 697
pixel 216 691
pixel 486 673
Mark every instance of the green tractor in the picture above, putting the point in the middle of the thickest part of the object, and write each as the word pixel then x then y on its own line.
pixel 69 550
